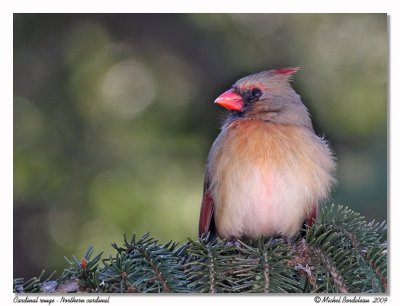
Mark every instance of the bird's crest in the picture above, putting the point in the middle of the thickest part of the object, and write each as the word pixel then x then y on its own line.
pixel 286 71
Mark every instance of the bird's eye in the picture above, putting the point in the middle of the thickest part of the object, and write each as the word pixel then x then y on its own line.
pixel 256 93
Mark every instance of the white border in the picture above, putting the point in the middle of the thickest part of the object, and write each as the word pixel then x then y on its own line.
pixel 7 8
pixel 205 6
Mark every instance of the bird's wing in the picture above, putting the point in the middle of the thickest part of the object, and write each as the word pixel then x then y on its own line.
pixel 311 216
pixel 206 222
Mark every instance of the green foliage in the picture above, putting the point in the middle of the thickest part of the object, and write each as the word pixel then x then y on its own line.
pixel 85 272
pixel 258 266
pixel 340 253
pixel 33 285
pixel 145 266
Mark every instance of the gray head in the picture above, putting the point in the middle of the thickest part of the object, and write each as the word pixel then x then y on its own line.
pixel 268 96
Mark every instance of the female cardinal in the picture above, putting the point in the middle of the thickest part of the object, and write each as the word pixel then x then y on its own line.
pixel 267 171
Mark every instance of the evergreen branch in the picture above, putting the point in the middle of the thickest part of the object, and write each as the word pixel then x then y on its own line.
pixel 201 270
pixel 33 285
pixel 211 270
pixel 377 258
pixel 341 253
pixel 82 275
pixel 361 238
pixel 269 267
pixel 339 262
pixel 329 265
pixel 157 272
pixel 149 266
pixel 265 274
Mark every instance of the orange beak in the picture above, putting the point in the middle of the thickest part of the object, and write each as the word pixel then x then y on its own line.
pixel 230 100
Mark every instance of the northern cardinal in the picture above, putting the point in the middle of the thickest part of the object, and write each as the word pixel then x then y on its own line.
pixel 267 171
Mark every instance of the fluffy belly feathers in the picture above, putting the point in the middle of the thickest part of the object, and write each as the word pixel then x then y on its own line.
pixel 266 184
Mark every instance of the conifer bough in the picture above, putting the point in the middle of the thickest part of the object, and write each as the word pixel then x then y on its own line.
pixel 340 253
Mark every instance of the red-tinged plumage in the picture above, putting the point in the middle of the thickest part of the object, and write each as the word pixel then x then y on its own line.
pixel 267 171
pixel 312 216
pixel 206 212
pixel 286 71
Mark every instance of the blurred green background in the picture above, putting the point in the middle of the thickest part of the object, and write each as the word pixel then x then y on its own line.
pixel 113 117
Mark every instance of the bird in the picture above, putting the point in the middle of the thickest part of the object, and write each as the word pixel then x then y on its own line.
pixel 267 172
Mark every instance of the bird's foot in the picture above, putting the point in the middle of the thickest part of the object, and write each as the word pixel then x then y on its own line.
pixel 287 240
pixel 283 239
pixel 232 242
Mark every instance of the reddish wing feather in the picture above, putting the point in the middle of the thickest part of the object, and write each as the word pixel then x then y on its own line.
pixel 312 216
pixel 206 211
